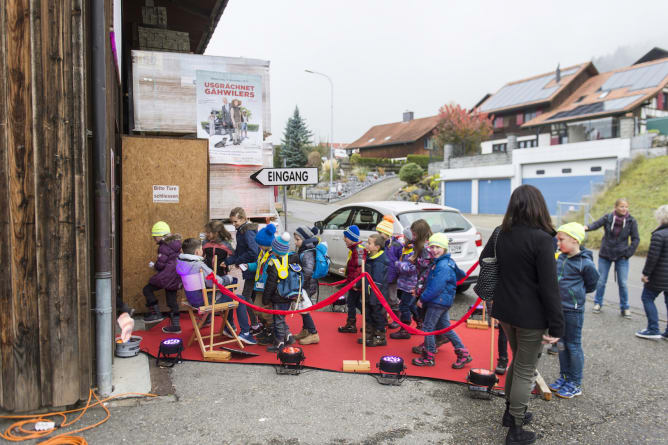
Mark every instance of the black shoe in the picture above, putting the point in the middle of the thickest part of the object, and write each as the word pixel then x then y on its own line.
pixel 393 325
pixel 501 365
pixel 519 436
pixel 290 340
pixel 377 340
pixel 275 348
pixel 154 315
pixel 172 329
pixel 508 419
pixel 349 327
pixel 401 334
pixel 267 338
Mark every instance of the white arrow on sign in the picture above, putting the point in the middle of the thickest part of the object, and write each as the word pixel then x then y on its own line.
pixel 286 176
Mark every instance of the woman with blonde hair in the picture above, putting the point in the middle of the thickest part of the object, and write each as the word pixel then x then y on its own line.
pixel 655 276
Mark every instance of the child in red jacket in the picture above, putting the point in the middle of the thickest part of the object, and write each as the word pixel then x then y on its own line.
pixel 351 236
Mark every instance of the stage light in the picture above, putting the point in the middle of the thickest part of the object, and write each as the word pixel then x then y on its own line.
pixel 291 358
pixel 392 370
pixel 169 352
pixel 481 383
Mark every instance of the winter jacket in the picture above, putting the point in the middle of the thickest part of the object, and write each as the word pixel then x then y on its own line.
pixel 656 264
pixel 165 266
pixel 307 261
pixel 356 256
pixel 393 248
pixel 577 276
pixel 221 250
pixel 441 285
pixel 377 265
pixel 270 294
pixel 614 248
pixel 527 293
pixel 188 269
pixel 423 265
pixel 407 271
pixel 246 250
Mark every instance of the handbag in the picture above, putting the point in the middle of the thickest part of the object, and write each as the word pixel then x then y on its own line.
pixel 303 302
pixel 489 273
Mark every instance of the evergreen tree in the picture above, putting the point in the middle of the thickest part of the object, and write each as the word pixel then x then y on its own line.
pixel 295 138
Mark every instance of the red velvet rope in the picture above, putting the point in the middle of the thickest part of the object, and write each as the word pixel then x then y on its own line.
pixel 346 288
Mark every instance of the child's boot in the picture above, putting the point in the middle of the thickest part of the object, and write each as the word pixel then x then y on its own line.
pixel 310 339
pixel 419 349
pixel 378 338
pixel 369 335
pixel 518 435
pixel 350 327
pixel 401 334
pixel 174 325
pixel 266 337
pixel 501 365
pixel 275 347
pixel 427 359
pixel 463 357
pixel 154 315
pixel 391 324
pixel 441 339
pixel 302 334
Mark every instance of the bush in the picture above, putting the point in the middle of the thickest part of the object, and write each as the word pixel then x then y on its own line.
pixel 421 160
pixel 381 171
pixel 314 159
pixel 324 170
pixel 361 173
pixel 411 173
pixel 355 158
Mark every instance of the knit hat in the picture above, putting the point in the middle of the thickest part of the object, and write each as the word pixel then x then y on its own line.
pixel 352 233
pixel 281 244
pixel 408 235
pixel 306 232
pixel 160 229
pixel 386 226
pixel 574 230
pixel 439 239
pixel 265 236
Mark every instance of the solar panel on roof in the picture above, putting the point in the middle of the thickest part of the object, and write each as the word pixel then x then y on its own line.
pixel 598 107
pixel 638 78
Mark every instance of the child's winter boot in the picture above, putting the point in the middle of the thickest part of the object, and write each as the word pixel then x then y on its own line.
pixel 349 327
pixel 401 334
pixel 378 339
pixel 463 357
pixel 174 325
pixel 154 315
pixel 302 334
pixel 266 337
pixel 370 332
pixel 427 359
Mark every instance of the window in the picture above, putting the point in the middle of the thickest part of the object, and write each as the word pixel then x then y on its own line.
pixel 540 172
pixel 498 122
pixel 366 219
pixel 596 169
pixel 664 103
pixel 527 143
pixel 429 143
pixel 593 130
pixel 529 115
pixel 438 220
pixel 338 220
pixel 566 170
pixel 500 148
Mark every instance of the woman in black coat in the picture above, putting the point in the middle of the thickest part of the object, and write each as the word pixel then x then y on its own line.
pixel 526 299
pixel 655 276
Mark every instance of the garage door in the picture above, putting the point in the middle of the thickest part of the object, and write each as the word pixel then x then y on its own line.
pixel 493 196
pixel 564 189
pixel 458 195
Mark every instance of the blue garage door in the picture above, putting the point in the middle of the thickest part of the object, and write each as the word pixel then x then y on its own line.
pixel 458 195
pixel 565 189
pixel 493 196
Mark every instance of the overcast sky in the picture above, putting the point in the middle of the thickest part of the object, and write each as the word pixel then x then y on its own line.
pixel 389 56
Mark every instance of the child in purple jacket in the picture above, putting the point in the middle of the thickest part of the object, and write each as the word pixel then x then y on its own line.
pixel 407 277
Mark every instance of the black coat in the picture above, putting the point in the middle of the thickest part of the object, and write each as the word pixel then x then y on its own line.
pixel 614 248
pixel 270 294
pixel 377 268
pixel 246 250
pixel 307 261
pixel 656 264
pixel 527 294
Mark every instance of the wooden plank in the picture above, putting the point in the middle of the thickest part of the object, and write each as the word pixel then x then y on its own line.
pixel 24 338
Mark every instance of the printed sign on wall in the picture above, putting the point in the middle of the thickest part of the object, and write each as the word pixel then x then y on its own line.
pixel 166 193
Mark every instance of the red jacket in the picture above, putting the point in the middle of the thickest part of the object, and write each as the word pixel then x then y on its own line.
pixel 354 265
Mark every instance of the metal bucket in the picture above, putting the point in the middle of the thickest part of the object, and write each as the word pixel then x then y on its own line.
pixel 128 349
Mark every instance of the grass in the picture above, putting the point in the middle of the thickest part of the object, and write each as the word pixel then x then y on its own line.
pixel 644 183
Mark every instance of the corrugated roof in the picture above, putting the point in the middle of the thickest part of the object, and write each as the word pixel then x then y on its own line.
pixel 614 92
pixel 396 133
pixel 534 90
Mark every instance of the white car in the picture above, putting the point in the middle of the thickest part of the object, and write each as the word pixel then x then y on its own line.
pixel 465 240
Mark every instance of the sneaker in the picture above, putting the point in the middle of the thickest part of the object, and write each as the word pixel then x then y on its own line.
pixel 256 329
pixel 646 333
pixel 597 309
pixel 553 350
pixel 557 384
pixel 626 313
pixel 310 339
pixel 227 333
pixel 247 338
pixel 569 390
pixel 153 317
pixel 172 329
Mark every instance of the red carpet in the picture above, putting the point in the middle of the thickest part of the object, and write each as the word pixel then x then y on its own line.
pixel 335 347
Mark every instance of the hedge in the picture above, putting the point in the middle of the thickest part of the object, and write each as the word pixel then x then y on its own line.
pixel 421 160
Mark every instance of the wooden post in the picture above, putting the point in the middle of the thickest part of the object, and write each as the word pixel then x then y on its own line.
pixel 360 365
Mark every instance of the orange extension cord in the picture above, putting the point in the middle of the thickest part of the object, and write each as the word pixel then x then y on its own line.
pixel 17 433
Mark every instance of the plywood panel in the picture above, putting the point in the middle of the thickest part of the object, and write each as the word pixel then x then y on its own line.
pixel 149 161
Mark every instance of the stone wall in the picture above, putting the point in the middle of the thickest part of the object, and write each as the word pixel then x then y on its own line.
pixel 480 160
pixel 157 39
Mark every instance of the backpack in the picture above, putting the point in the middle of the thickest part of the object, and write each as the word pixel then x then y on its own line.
pixel 322 261
pixel 289 278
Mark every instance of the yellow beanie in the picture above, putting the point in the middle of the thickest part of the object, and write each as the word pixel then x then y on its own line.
pixel 574 230
pixel 439 239
pixel 160 229
pixel 386 226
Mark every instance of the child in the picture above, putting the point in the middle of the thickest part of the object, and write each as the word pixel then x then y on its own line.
pixel 258 271
pixel 245 252
pixel 217 245
pixel 165 277
pixel 351 236
pixel 188 266
pixel 376 319
pixel 577 276
pixel 406 282
pixel 438 297
pixel 279 256
pixel 306 241
pixel 393 248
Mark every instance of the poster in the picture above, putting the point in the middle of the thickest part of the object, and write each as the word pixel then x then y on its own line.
pixel 229 115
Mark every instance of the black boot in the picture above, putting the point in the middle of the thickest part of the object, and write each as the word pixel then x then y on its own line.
pixel 349 327
pixel 369 335
pixel 174 325
pixel 391 324
pixel 518 435
pixel 501 367
pixel 401 334
pixel 266 337
pixel 154 315
pixel 508 419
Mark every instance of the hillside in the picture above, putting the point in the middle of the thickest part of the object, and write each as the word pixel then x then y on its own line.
pixel 644 183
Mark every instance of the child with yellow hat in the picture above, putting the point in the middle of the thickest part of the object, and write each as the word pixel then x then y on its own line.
pixel 577 276
pixel 393 248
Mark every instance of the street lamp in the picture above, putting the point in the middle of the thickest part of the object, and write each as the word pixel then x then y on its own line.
pixel 331 129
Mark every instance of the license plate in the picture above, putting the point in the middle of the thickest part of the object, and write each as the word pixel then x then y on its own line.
pixel 455 249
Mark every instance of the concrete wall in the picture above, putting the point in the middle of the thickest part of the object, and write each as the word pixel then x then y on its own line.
pixel 480 160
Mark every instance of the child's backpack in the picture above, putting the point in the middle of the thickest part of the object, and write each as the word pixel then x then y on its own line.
pixel 322 261
pixel 289 278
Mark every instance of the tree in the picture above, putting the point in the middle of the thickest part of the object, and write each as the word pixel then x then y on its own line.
pixel 411 173
pixel 295 138
pixel 463 129
pixel 314 159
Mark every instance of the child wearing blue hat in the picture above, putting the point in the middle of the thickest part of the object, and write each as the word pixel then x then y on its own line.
pixel 353 269
pixel 263 239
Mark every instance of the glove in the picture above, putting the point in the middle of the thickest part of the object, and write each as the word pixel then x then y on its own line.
pixel 151 264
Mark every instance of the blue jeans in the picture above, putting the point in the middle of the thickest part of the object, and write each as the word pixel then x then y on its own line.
pixel 407 306
pixel 648 296
pixel 281 329
pixel 308 323
pixel 354 302
pixel 242 313
pixel 436 318
pixel 571 356
pixel 622 273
